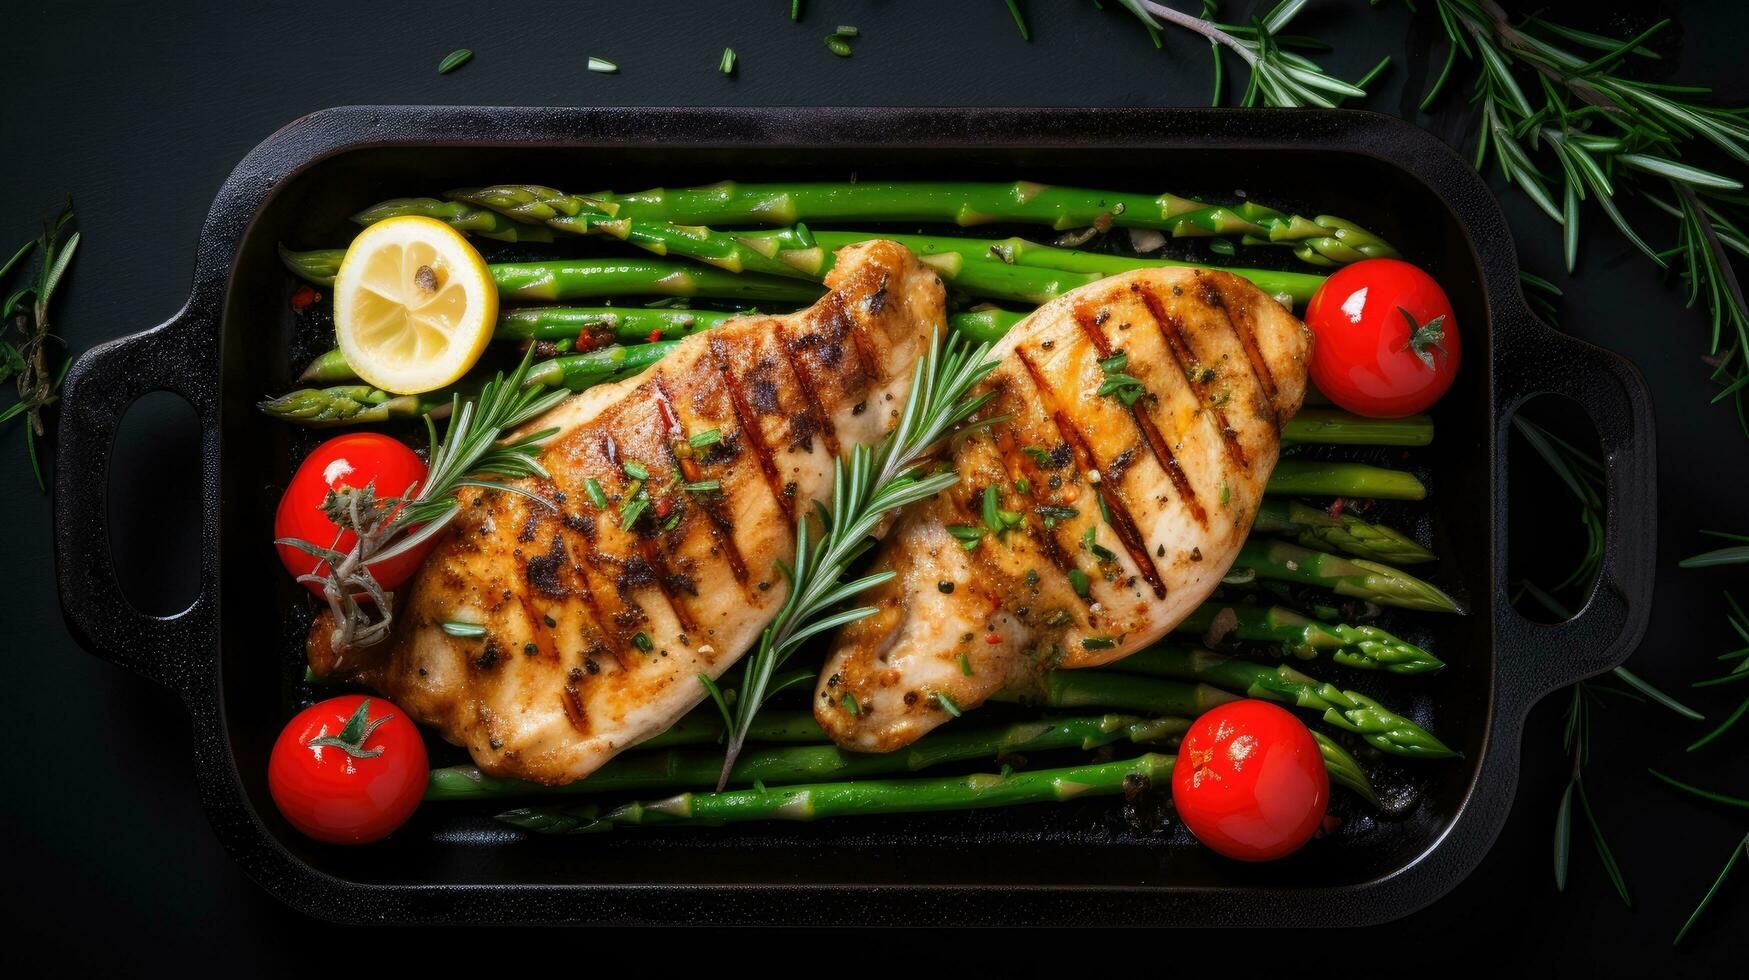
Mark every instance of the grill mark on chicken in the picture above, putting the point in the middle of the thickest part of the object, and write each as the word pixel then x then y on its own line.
pixel 1172 333
pixel 661 575
pixel 586 591
pixel 1121 520
pixel 805 385
pixel 1045 537
pixel 572 702
pixel 721 530
pixel 1214 294
pixel 877 300
pixel 748 424
pixel 1150 432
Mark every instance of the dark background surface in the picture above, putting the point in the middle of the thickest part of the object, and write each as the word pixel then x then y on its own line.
pixel 140 111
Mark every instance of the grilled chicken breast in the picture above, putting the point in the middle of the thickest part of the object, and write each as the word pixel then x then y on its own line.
pixel 601 614
pixel 1110 501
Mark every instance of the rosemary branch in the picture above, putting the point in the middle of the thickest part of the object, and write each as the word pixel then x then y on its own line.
pixel 866 486
pixel 26 360
pixel 388 526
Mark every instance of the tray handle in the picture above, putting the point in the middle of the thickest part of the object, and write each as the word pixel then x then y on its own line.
pixel 179 356
pixel 1536 360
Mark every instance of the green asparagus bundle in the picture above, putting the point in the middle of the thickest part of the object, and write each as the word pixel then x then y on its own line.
pixel 1362 647
pixel 1348 710
pixel 1323 240
pixel 1315 528
pixel 672 769
pixel 1357 577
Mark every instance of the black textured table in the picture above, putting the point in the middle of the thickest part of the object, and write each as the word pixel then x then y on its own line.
pixel 140 111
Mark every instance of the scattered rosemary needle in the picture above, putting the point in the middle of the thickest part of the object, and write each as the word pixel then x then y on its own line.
pixel 603 66
pixel 463 629
pixel 455 59
pixel 727 65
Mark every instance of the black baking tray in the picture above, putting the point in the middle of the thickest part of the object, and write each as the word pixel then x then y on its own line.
pixel 1077 864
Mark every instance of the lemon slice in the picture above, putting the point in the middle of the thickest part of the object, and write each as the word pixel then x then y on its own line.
pixel 414 305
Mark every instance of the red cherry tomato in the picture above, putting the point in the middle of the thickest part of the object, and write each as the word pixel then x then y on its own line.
pixel 1367 357
pixel 351 460
pixel 1250 782
pixel 348 770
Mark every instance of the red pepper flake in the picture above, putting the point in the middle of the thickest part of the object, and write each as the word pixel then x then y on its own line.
pixel 992 637
pixel 587 341
pixel 655 335
pixel 1336 508
pixel 663 506
pixel 304 297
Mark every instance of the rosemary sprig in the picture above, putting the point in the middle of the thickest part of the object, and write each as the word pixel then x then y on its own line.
pixel 1567 124
pixel 1583 477
pixel 389 526
pixel 26 359
pixel 1278 76
pixel 867 485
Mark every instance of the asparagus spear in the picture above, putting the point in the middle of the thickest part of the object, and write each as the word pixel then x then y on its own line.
pixel 1144 695
pixel 459 215
pixel 1362 647
pixel 1315 528
pixel 969 258
pixel 646 771
pixel 1344 769
pixel 557 324
pixel 1348 710
pixel 817 801
pixel 357 404
pixel 1333 427
pixel 568 279
pixel 1323 241
pixel 1357 577
pixel 1316 478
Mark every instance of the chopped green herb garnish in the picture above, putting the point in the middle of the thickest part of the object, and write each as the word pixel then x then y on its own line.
pixel 1053 514
pixel 702 486
pixel 1078 581
pixel 592 487
pixel 633 508
pixel 838 46
pixel 1099 551
pixel 727 65
pixel 795 9
pixel 1104 508
pixel 1097 643
pixel 1040 456
pixel 1126 387
pixel 968 536
pixel 463 629
pixel 1226 492
pixel 947 704
pixel 635 469
pixel 1059 618
pixel 847 30
pixel 965 664
pixel 850 705
pixel 672 521
pixel 997 520
pixel 708 437
pixel 455 59
pixel 642 641
pixel 1023 485
pixel 1032 576
pixel 603 66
